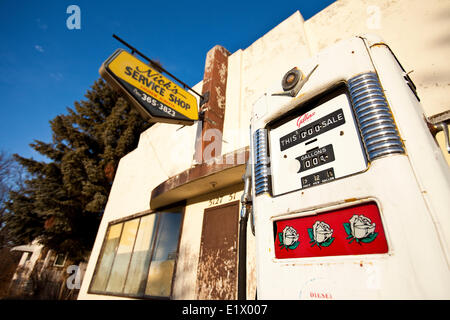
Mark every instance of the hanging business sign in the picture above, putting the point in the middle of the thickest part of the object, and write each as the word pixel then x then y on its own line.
pixel 157 98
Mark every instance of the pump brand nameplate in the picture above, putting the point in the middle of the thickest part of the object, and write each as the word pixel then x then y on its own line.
pixel 318 144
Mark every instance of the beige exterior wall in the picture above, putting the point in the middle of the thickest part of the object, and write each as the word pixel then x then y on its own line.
pixel 252 70
pixel 418 33
pixel 186 274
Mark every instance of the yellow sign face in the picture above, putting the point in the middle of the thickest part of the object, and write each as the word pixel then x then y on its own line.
pixel 158 97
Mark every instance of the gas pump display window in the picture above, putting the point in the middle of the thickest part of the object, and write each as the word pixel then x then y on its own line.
pixel 318 144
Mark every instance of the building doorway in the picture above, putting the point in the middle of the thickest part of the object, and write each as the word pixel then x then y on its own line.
pixel 217 267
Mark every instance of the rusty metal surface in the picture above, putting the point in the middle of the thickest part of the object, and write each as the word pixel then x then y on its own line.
pixel 217 268
pixel 214 86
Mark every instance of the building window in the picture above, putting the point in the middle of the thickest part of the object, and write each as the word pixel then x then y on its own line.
pixel 138 256
pixel 27 256
pixel 60 260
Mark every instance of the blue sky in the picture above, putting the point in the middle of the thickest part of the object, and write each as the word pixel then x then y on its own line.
pixel 45 67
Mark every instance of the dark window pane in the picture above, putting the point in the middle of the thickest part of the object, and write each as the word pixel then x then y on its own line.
pixel 107 258
pixel 140 260
pixel 139 255
pixel 163 260
pixel 60 260
pixel 121 261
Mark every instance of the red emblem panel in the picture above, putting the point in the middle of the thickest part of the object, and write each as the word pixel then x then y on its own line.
pixel 348 231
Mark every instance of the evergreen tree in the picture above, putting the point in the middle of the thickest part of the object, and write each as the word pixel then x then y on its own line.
pixel 63 202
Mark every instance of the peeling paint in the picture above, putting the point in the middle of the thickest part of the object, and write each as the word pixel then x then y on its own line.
pixel 216 276
pixel 220 98
pixel 217 268
pixel 223 73
pixel 209 63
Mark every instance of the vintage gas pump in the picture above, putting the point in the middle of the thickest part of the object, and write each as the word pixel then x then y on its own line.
pixel 350 192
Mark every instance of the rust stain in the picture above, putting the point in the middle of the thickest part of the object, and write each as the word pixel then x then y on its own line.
pixel 220 98
pixel 217 268
pixel 217 276
pixel 223 73
pixel 214 83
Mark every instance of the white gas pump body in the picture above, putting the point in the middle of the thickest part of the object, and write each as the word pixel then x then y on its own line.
pixel 398 168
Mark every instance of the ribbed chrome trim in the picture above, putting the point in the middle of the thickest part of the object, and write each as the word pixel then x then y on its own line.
pixel 375 121
pixel 261 159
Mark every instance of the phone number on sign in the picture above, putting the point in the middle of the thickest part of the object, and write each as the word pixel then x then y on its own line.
pixel 158 104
